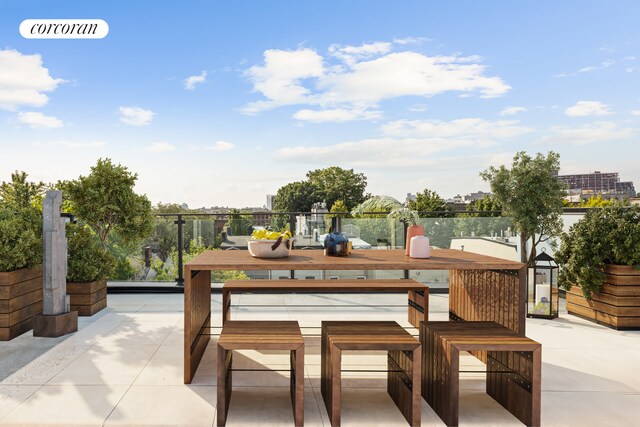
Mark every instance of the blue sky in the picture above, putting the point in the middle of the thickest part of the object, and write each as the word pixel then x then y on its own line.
pixel 221 103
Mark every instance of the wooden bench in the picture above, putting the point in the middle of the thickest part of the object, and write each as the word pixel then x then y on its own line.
pixel 417 304
pixel 513 367
pixel 403 375
pixel 260 335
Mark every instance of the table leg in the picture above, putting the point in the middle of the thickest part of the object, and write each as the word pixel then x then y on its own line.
pixel 224 382
pixel 226 306
pixel 197 319
pixel 297 385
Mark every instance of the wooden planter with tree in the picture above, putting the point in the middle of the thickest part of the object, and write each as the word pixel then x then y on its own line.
pixel 600 257
pixel 20 257
pixel 106 205
pixel 88 267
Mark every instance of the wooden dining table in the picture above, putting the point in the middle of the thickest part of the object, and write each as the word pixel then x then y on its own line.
pixel 481 288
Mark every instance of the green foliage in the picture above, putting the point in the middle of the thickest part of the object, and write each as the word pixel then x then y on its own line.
pixel 599 202
pixel 328 185
pixel 240 224
pixel 196 247
pixel 296 196
pixel 337 207
pixel 609 235
pixel 531 195
pixel 21 193
pixel 106 201
pixel 334 183
pixel 484 222
pixel 20 237
pixel 428 201
pixel 87 261
pixel 382 204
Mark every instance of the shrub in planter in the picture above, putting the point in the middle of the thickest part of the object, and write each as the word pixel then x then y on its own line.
pixel 88 267
pixel 601 255
pixel 20 272
pixel 20 238
pixel 609 235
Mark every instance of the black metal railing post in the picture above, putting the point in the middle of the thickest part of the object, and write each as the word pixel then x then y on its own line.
pixel 180 278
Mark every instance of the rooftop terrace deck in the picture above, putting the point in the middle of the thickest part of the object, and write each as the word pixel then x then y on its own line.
pixel 124 367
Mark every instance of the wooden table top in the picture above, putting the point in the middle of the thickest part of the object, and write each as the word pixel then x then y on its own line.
pixel 261 334
pixel 394 259
pixel 368 335
pixel 373 285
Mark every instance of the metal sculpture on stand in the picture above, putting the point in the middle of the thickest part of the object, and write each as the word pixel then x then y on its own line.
pixel 56 318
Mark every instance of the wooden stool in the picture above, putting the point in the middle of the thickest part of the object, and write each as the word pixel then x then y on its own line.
pixel 513 367
pixel 260 335
pixel 403 376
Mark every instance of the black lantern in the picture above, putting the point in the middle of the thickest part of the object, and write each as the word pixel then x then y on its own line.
pixel 542 292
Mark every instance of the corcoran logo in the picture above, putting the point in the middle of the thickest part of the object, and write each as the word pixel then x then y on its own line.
pixel 64 29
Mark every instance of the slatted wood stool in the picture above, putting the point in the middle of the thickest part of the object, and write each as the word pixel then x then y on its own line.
pixel 513 367
pixel 403 376
pixel 260 335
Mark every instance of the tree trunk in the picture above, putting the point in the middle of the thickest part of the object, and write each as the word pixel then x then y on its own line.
pixel 532 256
pixel 523 245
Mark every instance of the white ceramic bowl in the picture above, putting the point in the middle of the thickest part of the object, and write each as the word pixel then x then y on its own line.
pixel 264 248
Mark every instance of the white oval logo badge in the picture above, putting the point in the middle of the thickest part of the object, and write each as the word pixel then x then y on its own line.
pixel 64 29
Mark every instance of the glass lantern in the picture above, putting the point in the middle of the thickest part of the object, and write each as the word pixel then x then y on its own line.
pixel 542 288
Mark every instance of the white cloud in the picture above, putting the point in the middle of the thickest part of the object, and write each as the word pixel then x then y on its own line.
pixel 587 134
pixel 469 128
pixel 39 120
pixel 159 147
pixel 336 115
pixel 191 81
pixel 220 146
pixel 23 80
pixel 279 79
pixel 635 112
pixel 603 64
pixel 136 116
pixel 362 77
pixel 71 144
pixel 510 111
pixel 589 68
pixel 588 108
pixel 410 40
pixel 352 54
pixel 407 143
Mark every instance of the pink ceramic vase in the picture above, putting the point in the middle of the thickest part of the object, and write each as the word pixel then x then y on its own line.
pixel 413 230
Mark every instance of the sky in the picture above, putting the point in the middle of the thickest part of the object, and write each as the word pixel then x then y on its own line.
pixel 219 103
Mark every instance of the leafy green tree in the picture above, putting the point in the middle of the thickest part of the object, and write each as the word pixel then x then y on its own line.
pixel 87 262
pixel 106 201
pixel 296 196
pixel 531 195
pixel 334 183
pixel 428 201
pixel 21 193
pixel 20 237
pixel 239 223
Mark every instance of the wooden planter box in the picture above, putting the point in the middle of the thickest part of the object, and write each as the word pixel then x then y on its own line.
pixel 617 305
pixel 20 300
pixel 87 298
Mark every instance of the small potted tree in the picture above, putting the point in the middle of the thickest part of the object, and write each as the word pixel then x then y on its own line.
pixel 88 268
pixel 20 255
pixel 600 259
pixel 105 201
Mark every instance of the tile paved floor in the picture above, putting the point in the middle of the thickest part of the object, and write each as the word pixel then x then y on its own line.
pixel 124 367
